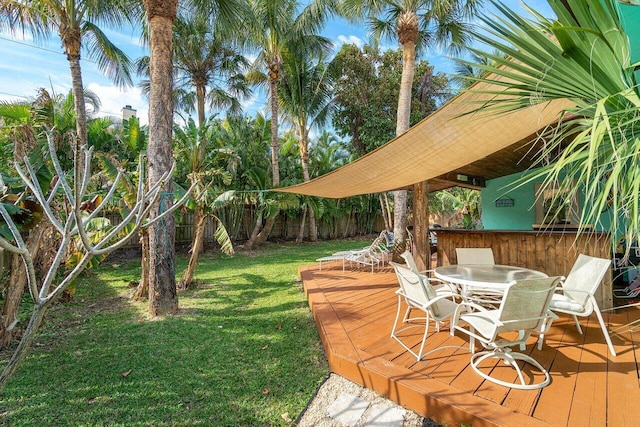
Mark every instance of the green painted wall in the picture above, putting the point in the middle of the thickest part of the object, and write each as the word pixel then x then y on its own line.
pixel 519 217
pixel 630 16
pixel 522 215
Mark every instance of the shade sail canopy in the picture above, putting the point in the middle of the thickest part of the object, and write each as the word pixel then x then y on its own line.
pixel 445 149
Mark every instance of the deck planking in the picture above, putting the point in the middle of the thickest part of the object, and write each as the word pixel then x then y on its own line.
pixel 355 311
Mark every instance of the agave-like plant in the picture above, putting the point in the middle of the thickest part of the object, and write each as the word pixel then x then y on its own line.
pixel 582 56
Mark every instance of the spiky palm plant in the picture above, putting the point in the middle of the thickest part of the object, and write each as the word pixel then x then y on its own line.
pixel 582 55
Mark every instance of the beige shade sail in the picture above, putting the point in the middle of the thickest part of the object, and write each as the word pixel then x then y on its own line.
pixel 440 144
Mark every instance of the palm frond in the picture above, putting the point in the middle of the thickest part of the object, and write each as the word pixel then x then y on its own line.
pixel 583 56
pixel 111 60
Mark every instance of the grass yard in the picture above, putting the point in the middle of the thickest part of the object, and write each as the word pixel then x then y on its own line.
pixel 243 351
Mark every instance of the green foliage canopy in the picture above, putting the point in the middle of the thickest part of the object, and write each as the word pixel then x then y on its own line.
pixel 367 85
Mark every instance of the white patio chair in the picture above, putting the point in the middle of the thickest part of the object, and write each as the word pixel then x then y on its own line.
pixel 436 283
pixel 479 256
pixel 577 293
pixel 418 294
pixel 411 263
pixel 524 309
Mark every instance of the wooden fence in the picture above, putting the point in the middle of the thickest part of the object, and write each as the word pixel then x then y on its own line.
pixel 285 228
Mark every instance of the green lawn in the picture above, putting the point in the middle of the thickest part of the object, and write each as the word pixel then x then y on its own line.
pixel 243 351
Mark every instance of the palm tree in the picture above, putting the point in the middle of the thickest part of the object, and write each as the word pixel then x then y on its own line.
pixel 160 14
pixel 276 27
pixel 466 73
pixel 306 99
pixel 76 22
pixel 417 25
pixel 206 60
pixel 328 153
pixel 583 55
pixel 196 154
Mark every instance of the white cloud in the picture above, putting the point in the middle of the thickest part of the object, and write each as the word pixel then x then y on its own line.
pixel 349 40
pixel 249 105
pixel 113 99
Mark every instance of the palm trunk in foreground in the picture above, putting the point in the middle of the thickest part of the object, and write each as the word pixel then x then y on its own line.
pixel 71 40
pixel 304 157
pixel 163 297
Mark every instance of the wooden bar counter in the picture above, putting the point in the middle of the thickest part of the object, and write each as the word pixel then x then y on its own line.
pixel 553 252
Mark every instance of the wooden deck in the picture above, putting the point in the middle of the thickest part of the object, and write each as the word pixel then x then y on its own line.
pixel 354 312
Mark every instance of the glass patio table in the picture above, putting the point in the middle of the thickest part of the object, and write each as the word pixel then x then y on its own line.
pixel 484 277
pixel 485 284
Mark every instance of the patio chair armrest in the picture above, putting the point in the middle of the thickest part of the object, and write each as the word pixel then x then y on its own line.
pixel 577 291
pixel 452 287
pixel 460 311
pixel 433 300
pixel 473 305
pixel 561 282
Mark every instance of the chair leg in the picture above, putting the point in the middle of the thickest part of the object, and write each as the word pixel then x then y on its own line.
pixel 424 338
pixel 575 319
pixel 395 322
pixel 406 314
pixel 545 328
pixel 603 326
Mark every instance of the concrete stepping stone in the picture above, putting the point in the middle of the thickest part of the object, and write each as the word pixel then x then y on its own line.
pixel 384 416
pixel 347 409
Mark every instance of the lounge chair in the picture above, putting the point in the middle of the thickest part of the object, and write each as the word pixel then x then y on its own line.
pixel 374 255
pixel 365 255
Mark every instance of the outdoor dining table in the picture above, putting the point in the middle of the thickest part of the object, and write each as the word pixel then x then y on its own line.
pixel 485 277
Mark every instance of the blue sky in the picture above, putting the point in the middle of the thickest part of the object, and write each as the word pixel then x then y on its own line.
pixel 26 65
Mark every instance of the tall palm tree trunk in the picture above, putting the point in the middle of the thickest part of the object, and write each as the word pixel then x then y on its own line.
pixel 71 40
pixel 200 97
pixel 303 220
pixel 402 125
pixel 422 253
pixel 275 145
pixel 163 298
